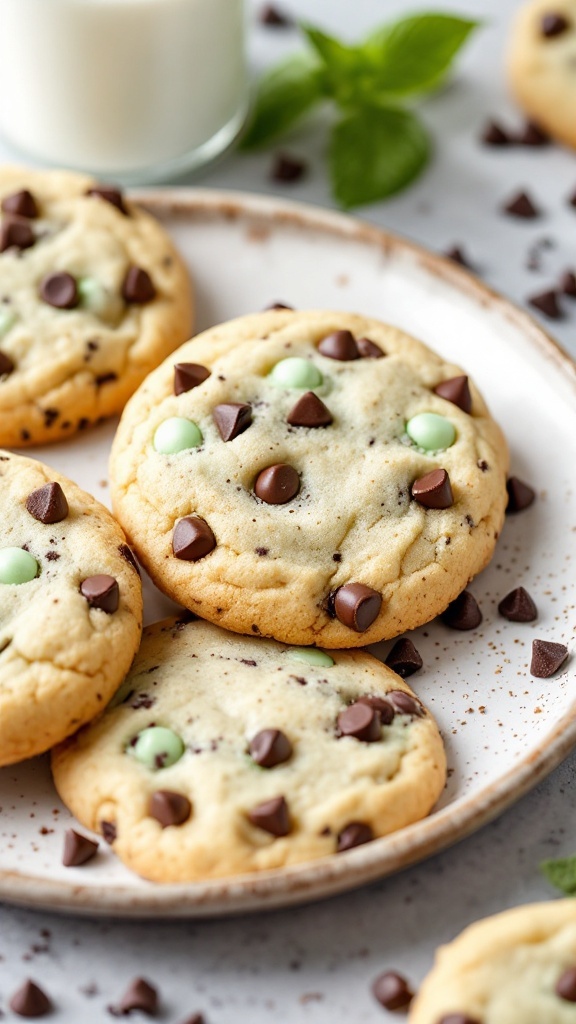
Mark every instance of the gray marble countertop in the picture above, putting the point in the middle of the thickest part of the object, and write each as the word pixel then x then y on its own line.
pixel 315 964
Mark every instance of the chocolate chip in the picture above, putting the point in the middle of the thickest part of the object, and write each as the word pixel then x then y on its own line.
pixel 138 287
pixel 272 816
pixel 533 135
pixel 270 747
pixel 392 990
pixel 278 305
pixel 22 204
pixel 361 722
pixel 369 349
pixel 456 254
pixel 433 490
pixel 6 365
pixel 340 345
pixel 463 613
pixel 232 418
pixel 140 995
pixel 192 539
pixel 274 17
pixel 169 808
pixel 48 504
pixel 30 1001
pixel 494 134
pixel 110 195
pixel 566 985
pixel 520 495
pixel 459 1018
pixel 521 205
pixel 547 657
pixel 101 592
pixel 547 303
pixel 518 606
pixel 16 233
pixel 105 378
pixel 309 411
pixel 188 376
pixel 404 659
pixel 109 831
pixel 572 199
pixel 405 703
pixel 567 283
pixel 78 849
pixel 277 484
pixel 356 833
pixel 553 25
pixel 357 606
pixel 59 290
pixel 288 168
pixel 381 705
pixel 129 556
pixel 457 391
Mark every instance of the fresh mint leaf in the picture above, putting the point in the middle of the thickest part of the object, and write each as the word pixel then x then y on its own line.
pixel 375 152
pixel 343 67
pixel 561 873
pixel 285 94
pixel 414 54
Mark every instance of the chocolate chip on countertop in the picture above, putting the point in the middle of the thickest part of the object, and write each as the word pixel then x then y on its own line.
pixel 277 484
pixel 572 199
pixel 339 345
pixel 6 365
pixel 101 592
pixel 494 134
pixel 357 606
pixel 355 833
pixel 553 24
pixel 520 495
pixel 272 816
pixel 192 539
pixel 286 168
pixel 277 305
pixel 518 606
pixel 138 286
pixel 48 504
pixel 522 206
pixel 273 17
pixel 232 419
pixel 457 391
pixel 30 1001
pixel 360 721
pixel 169 808
pixel 533 135
pixel 22 204
pixel 433 490
pixel 405 703
pixel 566 985
pixel 404 659
pixel 457 255
pixel 78 849
pixel 188 376
pixel 309 411
pixel 547 657
pixel 547 302
pixel 392 990
pixel 140 995
pixel 59 290
pixel 462 613
pixel 16 233
pixel 110 195
pixel 270 747
pixel 567 283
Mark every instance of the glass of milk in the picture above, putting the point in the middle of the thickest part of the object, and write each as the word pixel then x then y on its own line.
pixel 136 89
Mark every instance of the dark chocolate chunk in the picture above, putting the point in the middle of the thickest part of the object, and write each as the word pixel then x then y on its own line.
pixel 369 349
pixel 286 168
pixel 129 556
pixel 169 808
pixel 553 24
pixel 567 283
pixel 101 592
pixel 340 345
pixel 533 135
pixel 232 418
pixel 494 134
pixel 463 613
pixel 381 705
pixel 456 254
pixel 16 233
pixel 433 490
pixel 520 495
pixel 547 302
pixel 361 722
pixel 110 195
pixel 22 204
pixel 309 411
pixel 192 539
pixel 138 286
pixel 78 849
pixel 278 305
pixel 270 747
pixel 392 991
pixel 357 606
pixel 518 606
pixel 547 657
pixel 6 365
pixel 521 205
pixel 457 391
pixel 355 833
pixel 48 504
pixel 109 831
pixel 273 17
pixel 272 816
pixel 404 659
pixel 59 290
pixel 405 703
pixel 188 376
pixel 30 1001
pixel 572 199
pixel 566 985
pixel 277 484
pixel 140 995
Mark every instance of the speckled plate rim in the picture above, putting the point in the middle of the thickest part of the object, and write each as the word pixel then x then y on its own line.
pixel 329 876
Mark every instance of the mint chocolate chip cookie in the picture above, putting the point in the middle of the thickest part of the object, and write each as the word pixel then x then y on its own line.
pixel 70 607
pixel 224 754
pixel 320 478
pixel 93 296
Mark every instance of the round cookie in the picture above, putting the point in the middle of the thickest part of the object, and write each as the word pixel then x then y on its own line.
pixel 285 478
pixel 93 296
pixel 518 967
pixel 542 65
pixel 70 607
pixel 224 754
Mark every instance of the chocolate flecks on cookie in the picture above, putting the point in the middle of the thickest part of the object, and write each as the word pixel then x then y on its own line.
pixel 22 204
pixel 463 613
pixel 272 816
pixel 553 24
pixel 309 411
pixel 339 345
pixel 547 658
pixel 457 391
pixel 140 995
pixel 50 416
pixel 360 721
pixel 101 592
pixel 16 233
pixel 566 985
pixel 270 747
pixel 232 419
pixel 404 659
pixel 567 283
pixel 392 990
pixel 520 495
pixel 6 365
pixel 356 606
pixel 169 808
pixel 59 290
pixel 277 484
pixel 356 833
pixel 369 349
pixel 78 849
pixel 105 378
pixel 48 504
pixel 518 606
pixel 521 205
pixel 547 303
pixel 138 287
pixel 110 194
pixel 30 1001
pixel 433 490
pixel 188 376
pixel 493 134
pixel 192 539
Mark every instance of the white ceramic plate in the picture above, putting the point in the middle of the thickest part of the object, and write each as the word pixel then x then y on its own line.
pixel 503 728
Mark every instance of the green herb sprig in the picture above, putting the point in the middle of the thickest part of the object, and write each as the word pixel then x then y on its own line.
pixel 378 145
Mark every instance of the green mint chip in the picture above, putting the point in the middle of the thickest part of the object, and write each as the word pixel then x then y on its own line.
pixel 285 94
pixel 561 873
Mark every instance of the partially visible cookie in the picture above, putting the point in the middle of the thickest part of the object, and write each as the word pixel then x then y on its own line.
pixel 70 607
pixel 93 295
pixel 542 65
pixel 518 967
pixel 224 754
pixel 317 477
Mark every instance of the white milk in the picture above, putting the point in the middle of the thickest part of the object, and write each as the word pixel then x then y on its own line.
pixel 122 85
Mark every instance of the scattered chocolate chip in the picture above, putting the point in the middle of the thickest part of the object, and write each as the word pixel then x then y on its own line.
pixel 553 25
pixel 520 495
pixel 30 1001
pixel 572 199
pixel 494 134
pixel 277 305
pixel 22 204
pixel 566 985
pixel 361 722
pixel 286 168
pixel 59 290
pixel 521 205
pixel 188 376
pixel 6 365
pixel 110 195
pixel 433 490
pixel 232 418
pixel 340 345
pixel 101 592
pixel 140 995
pixel 405 703
pixel 129 556
pixel 457 391
pixel 369 349
pixel 16 233
pixel 192 539
pixel 381 705
pixel 50 415
pixel 567 283
pixel 404 659
pixel 138 287
pixel 309 411
pixel 547 303
pixel 547 657
pixel 356 833
pixel 272 16
pixel 272 816
pixel 463 613
pixel 78 849
pixel 169 808
pixel 518 606
pixel 48 504
pixel 533 135
pixel 277 484
pixel 270 747
pixel 392 991
pixel 357 606
pixel 456 254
